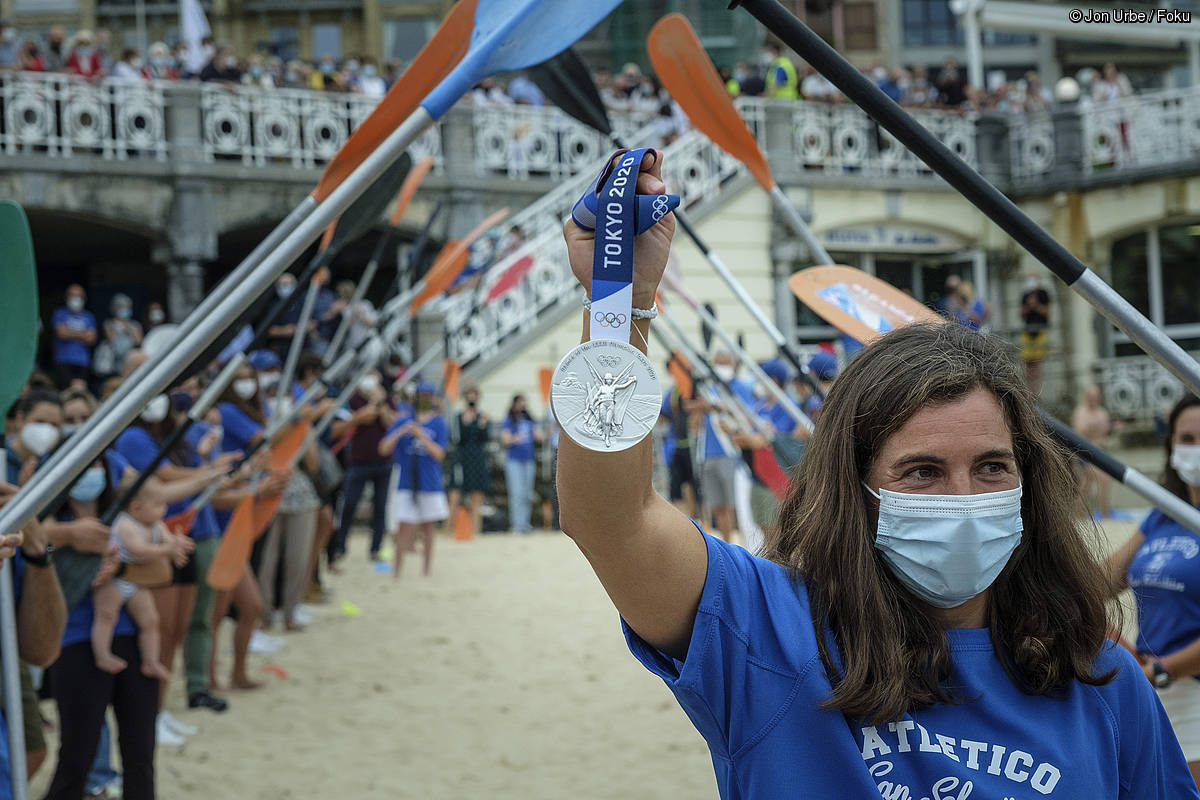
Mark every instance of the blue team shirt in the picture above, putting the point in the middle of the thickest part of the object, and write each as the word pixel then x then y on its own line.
pixel 79 619
pixel 712 444
pixel 753 684
pixel 408 447
pixel 72 351
pixel 1165 577
pixel 138 447
pixel 523 429
pixel 779 418
pixel 239 429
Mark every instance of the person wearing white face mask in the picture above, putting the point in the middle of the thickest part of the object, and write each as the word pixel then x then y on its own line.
pixel 279 335
pixel 1159 563
pixel 370 415
pixel 74 335
pixel 122 334
pixel 39 421
pixel 945 640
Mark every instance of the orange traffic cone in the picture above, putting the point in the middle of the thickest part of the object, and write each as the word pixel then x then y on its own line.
pixel 462 526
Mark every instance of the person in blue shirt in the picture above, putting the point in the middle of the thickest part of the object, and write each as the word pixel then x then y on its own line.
pixel 519 434
pixel 930 617
pixel 185 607
pixel 1160 563
pixel 243 423
pixel 74 336
pixel 417 444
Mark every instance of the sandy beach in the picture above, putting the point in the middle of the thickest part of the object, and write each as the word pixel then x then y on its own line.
pixel 503 675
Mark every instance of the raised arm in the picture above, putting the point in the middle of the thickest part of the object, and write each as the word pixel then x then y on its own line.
pixel 649 557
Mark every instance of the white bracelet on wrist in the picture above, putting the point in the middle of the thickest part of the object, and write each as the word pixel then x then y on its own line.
pixel 637 313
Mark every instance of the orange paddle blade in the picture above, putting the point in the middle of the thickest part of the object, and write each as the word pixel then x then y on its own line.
pixel 857 304
pixel 677 366
pixel 545 378
pixel 450 372
pixel 229 562
pixel 181 524
pixel 265 509
pixel 439 55
pixel 409 188
pixel 327 237
pixel 689 75
pixel 463 532
pixel 284 451
pixel 451 262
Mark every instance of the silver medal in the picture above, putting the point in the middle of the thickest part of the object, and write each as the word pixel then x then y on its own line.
pixel 605 395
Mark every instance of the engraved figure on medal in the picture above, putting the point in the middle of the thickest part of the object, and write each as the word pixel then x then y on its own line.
pixel 605 395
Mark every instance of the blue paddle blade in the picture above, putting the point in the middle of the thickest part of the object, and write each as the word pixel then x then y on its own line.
pixel 514 34
pixel 18 303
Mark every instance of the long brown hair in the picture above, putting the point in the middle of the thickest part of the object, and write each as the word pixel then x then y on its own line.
pixel 1047 609
pixel 1171 480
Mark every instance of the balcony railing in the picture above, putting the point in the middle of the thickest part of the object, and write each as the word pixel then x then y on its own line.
pixel 1137 387
pixel 61 116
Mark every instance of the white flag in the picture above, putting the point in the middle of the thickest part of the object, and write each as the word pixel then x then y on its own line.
pixel 193 26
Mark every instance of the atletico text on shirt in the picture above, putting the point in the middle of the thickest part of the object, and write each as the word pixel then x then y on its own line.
pixel 605 393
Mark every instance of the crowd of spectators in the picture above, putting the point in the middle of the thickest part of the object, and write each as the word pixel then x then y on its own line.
pixel 919 86
pixel 92 55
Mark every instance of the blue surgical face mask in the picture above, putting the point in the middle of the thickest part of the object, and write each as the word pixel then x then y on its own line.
pixel 948 548
pixel 90 485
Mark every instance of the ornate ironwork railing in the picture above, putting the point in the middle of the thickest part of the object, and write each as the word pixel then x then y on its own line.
pixel 61 116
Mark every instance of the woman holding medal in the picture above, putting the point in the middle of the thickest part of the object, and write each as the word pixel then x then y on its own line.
pixel 929 620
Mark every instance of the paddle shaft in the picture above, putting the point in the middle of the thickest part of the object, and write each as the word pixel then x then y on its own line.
pixel 360 291
pixel 203 403
pixel 1182 512
pixel 775 389
pixel 419 245
pixel 284 389
pixel 1093 454
pixel 740 293
pixel 674 341
pixel 10 661
pixel 987 198
pixel 200 329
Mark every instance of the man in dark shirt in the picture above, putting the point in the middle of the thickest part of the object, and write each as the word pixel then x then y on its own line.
pixel 222 67
pixel 1035 313
pixel 366 425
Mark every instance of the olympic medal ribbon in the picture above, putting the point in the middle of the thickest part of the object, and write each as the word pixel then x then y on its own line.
pixel 618 214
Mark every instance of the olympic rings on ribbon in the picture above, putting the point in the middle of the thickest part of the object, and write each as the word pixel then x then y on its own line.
pixel 608 320
pixel 661 206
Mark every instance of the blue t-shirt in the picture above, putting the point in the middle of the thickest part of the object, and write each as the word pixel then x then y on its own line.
pixel 779 418
pixel 138 447
pixel 712 443
pixel 408 448
pixel 753 685
pixel 523 429
pixel 239 428
pixel 1165 577
pixel 72 351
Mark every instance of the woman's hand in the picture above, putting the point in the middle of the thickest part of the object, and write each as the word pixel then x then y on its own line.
pixel 181 548
pixel 650 250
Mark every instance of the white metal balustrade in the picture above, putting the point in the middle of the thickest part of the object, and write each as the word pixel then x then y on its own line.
pixel 64 116
pixel 1137 387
